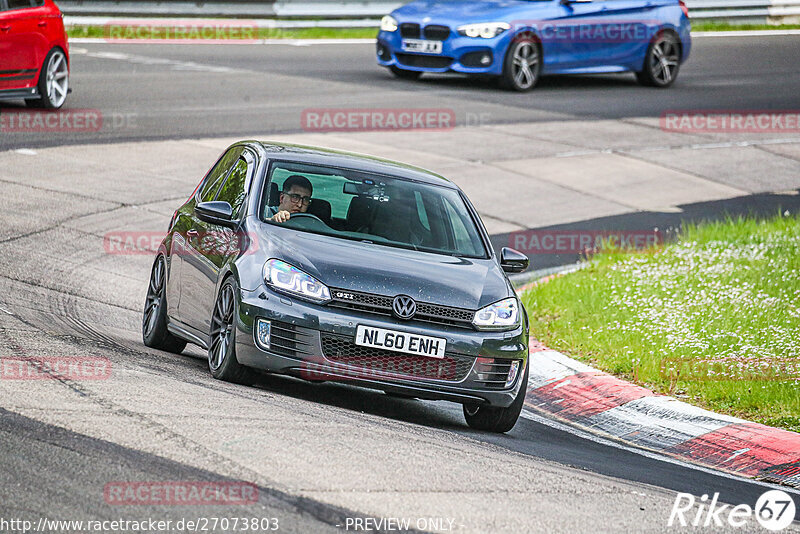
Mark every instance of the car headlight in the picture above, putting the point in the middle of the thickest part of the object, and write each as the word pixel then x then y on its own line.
pixel 289 279
pixel 502 315
pixel 486 30
pixel 388 24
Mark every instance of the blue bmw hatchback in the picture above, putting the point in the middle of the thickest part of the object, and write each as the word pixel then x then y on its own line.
pixel 519 41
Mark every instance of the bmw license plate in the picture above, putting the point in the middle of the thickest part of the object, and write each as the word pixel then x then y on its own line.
pixel 422 45
pixel 406 342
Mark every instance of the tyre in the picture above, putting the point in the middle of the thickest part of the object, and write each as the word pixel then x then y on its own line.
pixel 53 81
pixel 522 65
pixel 222 360
pixel 154 318
pixel 661 62
pixel 405 74
pixel 496 419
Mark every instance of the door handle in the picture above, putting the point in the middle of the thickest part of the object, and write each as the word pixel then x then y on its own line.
pixel 42 23
pixel 4 28
pixel 192 234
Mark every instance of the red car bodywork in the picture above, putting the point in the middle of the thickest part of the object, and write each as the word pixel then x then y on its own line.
pixel 29 29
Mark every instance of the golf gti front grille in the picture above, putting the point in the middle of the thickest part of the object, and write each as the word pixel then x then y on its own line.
pixel 409 30
pixel 379 363
pixel 436 32
pixel 382 305
pixel 290 340
pixel 424 62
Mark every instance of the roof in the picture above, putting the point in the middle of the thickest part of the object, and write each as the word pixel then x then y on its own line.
pixel 350 160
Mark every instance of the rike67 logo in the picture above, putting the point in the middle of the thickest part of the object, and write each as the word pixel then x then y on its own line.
pixel 774 510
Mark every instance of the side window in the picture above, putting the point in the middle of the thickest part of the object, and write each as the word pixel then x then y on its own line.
pixel 208 191
pixel 18 4
pixel 460 232
pixel 37 3
pixel 423 215
pixel 232 191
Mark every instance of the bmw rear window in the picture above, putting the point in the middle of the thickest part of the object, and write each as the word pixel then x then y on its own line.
pixel 373 208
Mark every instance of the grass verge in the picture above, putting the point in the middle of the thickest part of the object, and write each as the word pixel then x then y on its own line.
pixel 727 27
pixel 713 319
pixel 105 32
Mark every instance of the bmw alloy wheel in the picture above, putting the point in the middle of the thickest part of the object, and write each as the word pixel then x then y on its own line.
pixel 662 62
pixel 522 64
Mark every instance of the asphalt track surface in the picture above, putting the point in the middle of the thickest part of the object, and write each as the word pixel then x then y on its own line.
pixel 62 441
pixel 179 91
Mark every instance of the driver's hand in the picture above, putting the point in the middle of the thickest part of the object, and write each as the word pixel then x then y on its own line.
pixel 281 217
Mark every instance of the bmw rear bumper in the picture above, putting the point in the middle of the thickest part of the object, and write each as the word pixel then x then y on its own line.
pixel 316 329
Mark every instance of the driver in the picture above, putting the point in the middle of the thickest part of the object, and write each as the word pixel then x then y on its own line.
pixel 295 198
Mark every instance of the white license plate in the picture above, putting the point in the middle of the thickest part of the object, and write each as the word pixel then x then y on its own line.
pixel 421 45
pixel 405 342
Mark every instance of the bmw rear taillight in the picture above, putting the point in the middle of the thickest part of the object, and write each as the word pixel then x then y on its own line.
pixel 684 8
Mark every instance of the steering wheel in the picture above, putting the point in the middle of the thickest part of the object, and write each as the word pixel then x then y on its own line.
pixel 311 215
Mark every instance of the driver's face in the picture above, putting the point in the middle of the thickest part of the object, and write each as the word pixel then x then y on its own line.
pixel 296 200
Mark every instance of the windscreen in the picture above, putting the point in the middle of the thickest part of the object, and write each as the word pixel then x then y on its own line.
pixel 372 208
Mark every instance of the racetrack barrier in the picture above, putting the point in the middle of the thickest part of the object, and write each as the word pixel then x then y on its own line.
pixel 735 11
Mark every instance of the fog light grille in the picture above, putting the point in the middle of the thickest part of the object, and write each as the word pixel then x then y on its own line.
pixel 496 373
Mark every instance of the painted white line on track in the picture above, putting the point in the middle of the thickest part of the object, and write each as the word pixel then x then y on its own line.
pixel 81 20
pixel 575 431
pixel 26 152
pixel 307 42
pixel 174 64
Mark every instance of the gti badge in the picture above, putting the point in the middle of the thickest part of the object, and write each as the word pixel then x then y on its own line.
pixel 404 307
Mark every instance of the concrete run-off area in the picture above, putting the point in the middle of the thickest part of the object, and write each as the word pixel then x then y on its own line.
pixel 63 294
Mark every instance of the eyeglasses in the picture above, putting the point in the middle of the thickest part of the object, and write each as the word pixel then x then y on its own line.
pixel 295 198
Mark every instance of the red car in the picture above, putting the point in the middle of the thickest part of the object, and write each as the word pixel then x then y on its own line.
pixel 34 55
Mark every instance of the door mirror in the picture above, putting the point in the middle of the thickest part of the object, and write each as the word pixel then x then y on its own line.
pixel 215 213
pixel 512 261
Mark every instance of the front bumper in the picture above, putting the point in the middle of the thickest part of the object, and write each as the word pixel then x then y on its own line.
pixel 459 54
pixel 458 377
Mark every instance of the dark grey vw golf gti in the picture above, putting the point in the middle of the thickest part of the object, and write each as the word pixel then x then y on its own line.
pixel 326 265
